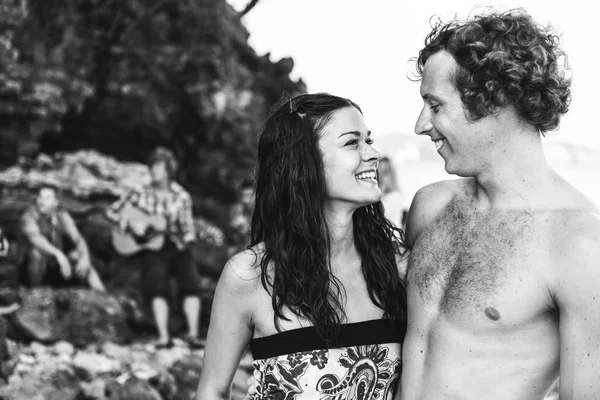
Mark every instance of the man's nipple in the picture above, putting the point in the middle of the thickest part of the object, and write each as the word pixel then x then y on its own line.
pixel 492 313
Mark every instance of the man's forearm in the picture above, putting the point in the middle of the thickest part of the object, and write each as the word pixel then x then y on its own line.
pixel 82 249
pixel 42 244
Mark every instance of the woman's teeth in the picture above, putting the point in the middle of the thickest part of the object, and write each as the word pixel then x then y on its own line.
pixel 367 175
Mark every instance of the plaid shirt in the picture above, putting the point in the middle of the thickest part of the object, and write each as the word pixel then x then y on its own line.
pixel 174 204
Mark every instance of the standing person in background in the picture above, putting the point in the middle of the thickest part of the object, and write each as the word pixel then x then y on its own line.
pixel 318 295
pixel 240 216
pixel 168 200
pixel 394 201
pixel 504 273
pixel 51 248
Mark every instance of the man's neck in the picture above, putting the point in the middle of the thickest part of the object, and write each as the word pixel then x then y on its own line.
pixel 46 214
pixel 163 185
pixel 516 175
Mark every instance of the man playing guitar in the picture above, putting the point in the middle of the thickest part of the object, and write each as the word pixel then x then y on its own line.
pixel 170 204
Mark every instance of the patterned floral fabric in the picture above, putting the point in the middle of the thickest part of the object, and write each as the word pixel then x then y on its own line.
pixel 348 373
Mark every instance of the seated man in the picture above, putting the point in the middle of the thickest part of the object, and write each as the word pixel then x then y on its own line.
pixel 51 247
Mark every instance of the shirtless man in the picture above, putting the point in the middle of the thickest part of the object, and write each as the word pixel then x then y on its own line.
pixel 504 275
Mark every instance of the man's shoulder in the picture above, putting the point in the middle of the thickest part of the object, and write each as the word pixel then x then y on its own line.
pixel 63 214
pixel 29 210
pixel 575 252
pixel 430 201
pixel 179 191
pixel 577 229
pixel 443 191
pixel 28 216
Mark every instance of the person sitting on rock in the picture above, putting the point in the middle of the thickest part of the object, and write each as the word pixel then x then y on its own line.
pixel 51 247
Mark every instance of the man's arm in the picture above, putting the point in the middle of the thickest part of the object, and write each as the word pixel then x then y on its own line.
pixel 186 219
pixel 80 245
pixel 30 229
pixel 114 211
pixel 578 299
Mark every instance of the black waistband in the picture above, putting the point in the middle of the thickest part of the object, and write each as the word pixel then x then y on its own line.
pixel 305 339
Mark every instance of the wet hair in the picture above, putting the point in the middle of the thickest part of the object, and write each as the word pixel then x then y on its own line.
pixel 164 155
pixel 504 59
pixel 289 218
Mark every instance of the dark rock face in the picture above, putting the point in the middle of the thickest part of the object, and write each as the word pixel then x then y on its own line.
pixel 124 78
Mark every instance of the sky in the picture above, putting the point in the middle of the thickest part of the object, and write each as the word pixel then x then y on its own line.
pixel 362 49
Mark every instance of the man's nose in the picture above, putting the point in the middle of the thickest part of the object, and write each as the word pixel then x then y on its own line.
pixel 423 124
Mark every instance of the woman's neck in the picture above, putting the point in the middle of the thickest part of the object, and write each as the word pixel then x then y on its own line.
pixel 341 234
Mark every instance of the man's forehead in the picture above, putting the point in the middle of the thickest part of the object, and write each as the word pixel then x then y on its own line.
pixel 437 73
pixel 47 191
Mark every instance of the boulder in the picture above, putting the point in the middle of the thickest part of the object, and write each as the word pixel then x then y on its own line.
pixel 79 316
pixel 53 384
pixel 130 388
pixel 186 373
pixel 6 364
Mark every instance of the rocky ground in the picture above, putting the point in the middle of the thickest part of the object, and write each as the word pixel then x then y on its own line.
pixel 107 371
pixel 78 344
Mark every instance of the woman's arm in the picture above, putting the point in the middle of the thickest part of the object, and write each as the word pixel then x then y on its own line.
pixel 230 328
pixel 402 264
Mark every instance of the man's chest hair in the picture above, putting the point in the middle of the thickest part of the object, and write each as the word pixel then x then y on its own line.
pixel 464 257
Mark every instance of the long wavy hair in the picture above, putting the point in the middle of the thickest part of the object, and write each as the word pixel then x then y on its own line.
pixel 289 219
pixel 505 58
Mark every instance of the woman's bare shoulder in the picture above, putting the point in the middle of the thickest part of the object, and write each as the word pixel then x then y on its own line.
pixel 242 271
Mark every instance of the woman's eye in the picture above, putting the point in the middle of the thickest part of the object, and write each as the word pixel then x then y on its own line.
pixel 351 142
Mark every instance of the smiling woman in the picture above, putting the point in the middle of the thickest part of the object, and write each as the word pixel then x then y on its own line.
pixel 317 296
pixel 350 162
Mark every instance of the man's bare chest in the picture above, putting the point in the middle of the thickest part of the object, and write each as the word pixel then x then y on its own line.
pixel 466 261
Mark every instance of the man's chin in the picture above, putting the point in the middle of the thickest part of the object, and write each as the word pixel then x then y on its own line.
pixel 453 169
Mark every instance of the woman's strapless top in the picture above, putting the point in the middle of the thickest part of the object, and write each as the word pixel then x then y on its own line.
pixel 363 363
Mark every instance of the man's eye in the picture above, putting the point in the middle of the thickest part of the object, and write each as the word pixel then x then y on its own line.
pixel 435 108
pixel 369 141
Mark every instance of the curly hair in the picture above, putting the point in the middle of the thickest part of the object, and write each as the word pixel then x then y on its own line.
pixel 163 155
pixel 504 59
pixel 289 219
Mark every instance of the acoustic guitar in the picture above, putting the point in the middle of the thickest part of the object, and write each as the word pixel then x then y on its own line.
pixel 126 243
